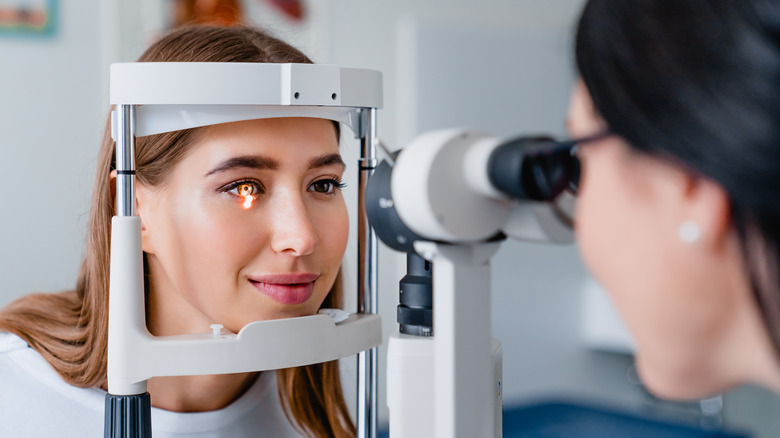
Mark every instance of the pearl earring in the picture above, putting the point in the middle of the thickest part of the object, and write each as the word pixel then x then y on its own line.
pixel 689 232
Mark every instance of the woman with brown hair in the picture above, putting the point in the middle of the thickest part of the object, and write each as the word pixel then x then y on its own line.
pixel 241 221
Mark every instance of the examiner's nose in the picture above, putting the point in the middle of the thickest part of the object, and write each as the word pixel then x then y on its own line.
pixel 293 230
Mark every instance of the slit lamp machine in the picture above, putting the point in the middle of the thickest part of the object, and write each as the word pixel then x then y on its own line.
pixel 447 200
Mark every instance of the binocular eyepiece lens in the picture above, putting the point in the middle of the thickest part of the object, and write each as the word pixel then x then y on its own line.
pixel 534 168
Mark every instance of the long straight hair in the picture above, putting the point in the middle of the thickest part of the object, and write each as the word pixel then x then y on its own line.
pixel 70 329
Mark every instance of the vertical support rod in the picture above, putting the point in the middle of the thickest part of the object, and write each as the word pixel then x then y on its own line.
pixel 125 160
pixel 367 281
pixel 128 412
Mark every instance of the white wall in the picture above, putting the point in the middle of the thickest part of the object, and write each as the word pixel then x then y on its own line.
pixel 50 124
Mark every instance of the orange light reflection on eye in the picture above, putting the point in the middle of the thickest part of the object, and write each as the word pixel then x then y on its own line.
pixel 248 199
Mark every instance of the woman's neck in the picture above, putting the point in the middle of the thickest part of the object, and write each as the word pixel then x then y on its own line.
pixel 198 393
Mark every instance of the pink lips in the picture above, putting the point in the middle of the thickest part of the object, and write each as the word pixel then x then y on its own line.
pixel 286 288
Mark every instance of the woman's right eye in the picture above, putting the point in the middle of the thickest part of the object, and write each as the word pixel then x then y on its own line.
pixel 244 188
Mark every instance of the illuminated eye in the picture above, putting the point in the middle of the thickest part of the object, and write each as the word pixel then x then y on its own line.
pixel 246 189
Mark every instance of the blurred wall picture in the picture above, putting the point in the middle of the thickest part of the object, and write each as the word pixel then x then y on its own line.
pixel 227 12
pixel 293 9
pixel 27 17
pixel 214 12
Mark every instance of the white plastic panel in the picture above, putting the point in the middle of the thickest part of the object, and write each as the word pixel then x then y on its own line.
pixel 225 83
pixel 156 119
pixel 311 86
pixel 261 345
pixel 358 85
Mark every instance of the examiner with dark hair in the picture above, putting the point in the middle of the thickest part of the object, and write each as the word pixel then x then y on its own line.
pixel 679 214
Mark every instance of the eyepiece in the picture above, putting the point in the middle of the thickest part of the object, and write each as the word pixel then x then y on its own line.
pixel 534 168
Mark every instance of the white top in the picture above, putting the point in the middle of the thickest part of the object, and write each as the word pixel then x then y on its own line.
pixel 36 402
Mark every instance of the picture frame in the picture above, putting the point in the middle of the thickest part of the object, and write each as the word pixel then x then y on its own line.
pixel 28 17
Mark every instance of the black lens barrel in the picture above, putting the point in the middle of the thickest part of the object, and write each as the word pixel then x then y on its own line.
pixel 533 168
pixel 415 313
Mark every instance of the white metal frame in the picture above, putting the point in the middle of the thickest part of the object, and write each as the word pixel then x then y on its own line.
pixel 152 98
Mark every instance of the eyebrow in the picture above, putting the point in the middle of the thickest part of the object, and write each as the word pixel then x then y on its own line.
pixel 327 160
pixel 264 163
pixel 249 161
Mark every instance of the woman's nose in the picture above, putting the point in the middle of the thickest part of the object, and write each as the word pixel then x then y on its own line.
pixel 293 230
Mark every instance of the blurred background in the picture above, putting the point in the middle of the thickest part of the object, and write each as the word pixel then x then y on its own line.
pixel 503 66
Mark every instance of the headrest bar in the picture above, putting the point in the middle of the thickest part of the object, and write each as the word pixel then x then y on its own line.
pixel 238 83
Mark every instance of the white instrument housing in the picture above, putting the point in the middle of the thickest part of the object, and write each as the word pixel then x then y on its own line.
pixel 441 191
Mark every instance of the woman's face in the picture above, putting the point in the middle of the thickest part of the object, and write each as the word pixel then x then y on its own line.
pixel 250 225
pixel 629 210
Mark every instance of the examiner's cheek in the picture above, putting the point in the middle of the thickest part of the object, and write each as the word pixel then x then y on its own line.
pixel 587 234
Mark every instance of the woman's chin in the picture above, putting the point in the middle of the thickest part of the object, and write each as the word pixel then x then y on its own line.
pixel 279 312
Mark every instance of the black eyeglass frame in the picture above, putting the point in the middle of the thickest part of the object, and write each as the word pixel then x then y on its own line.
pixel 572 146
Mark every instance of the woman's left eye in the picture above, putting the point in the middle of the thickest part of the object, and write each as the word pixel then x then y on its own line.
pixel 326 186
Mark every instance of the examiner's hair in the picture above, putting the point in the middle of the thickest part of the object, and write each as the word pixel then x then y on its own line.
pixel 70 329
pixel 698 82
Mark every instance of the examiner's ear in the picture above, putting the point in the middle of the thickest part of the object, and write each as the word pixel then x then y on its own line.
pixel 140 193
pixel 706 205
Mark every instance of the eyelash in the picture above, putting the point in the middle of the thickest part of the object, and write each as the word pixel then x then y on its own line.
pixel 337 185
